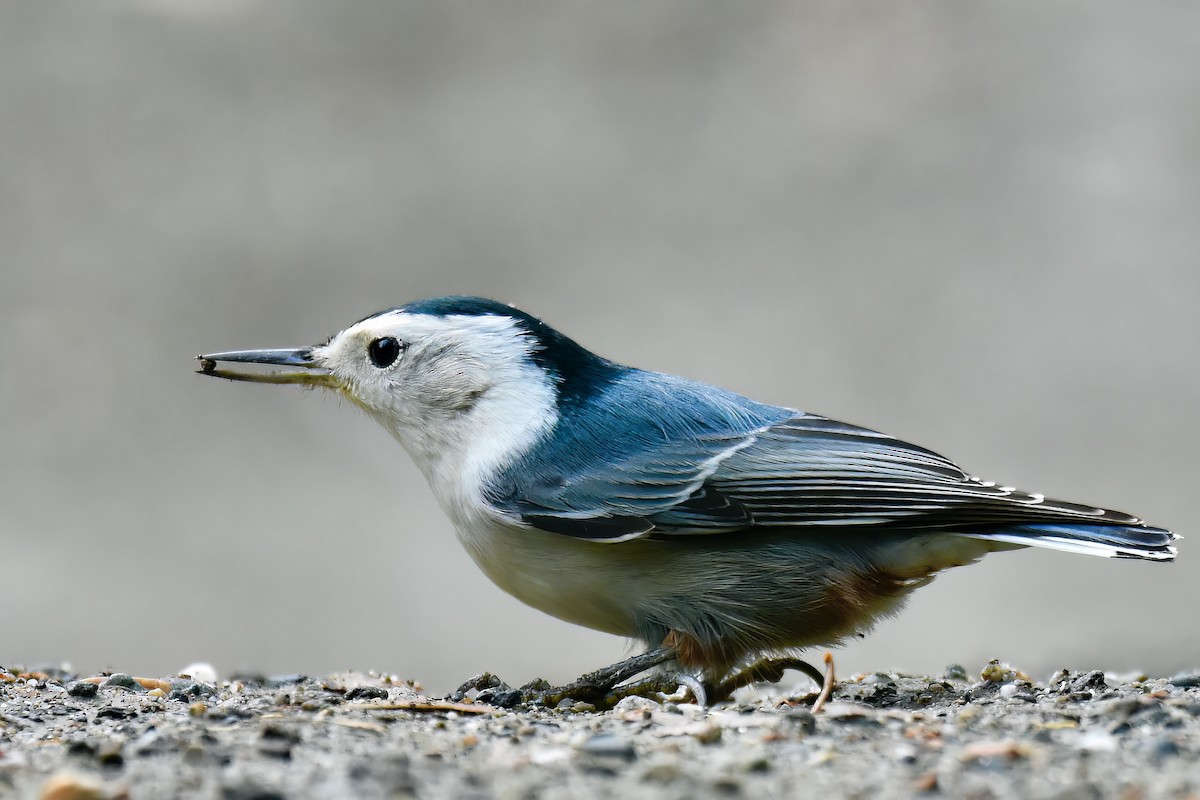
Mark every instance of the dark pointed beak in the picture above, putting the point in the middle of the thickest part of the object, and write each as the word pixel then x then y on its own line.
pixel 314 374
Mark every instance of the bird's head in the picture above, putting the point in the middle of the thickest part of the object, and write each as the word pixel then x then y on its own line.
pixel 444 376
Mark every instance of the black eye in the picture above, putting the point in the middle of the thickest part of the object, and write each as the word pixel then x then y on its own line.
pixel 384 351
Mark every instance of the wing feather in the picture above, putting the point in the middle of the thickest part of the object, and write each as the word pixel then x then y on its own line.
pixel 699 463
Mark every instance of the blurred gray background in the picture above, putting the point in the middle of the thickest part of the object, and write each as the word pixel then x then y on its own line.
pixel 970 225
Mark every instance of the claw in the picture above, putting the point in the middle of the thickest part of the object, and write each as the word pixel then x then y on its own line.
pixel 693 684
pixel 826 685
pixel 769 670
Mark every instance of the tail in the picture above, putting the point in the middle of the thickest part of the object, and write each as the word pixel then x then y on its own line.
pixel 1108 541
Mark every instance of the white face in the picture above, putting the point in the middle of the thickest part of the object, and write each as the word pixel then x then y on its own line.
pixel 459 392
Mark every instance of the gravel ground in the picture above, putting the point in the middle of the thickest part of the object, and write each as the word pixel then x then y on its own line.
pixel 993 733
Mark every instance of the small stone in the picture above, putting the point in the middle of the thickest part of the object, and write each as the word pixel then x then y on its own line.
pixel 607 745
pixel 111 755
pixel 500 696
pixel 1186 680
pixel 926 783
pixel 81 748
pixel 70 787
pixel 189 690
pixel 120 680
pixel 367 693
pixel 757 764
pixel 634 707
pixel 802 719
pixel 1088 683
pixel 968 714
pixel 709 734
pixel 279 681
pixel 955 672
pixel 997 672
pixel 662 772
pixel 194 754
pixel 82 689
pixel 200 672
pixel 114 712
pixel 276 731
pixel 848 712
pixel 197 709
pixel 727 786
pixel 249 791
pixel 1164 748
pixel 277 741
pixel 472 688
pixel 1002 750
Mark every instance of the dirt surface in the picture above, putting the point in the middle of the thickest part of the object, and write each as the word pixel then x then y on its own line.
pixel 993 733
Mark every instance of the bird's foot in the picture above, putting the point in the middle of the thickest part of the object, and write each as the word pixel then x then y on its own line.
pixel 606 687
pixel 770 670
pixel 603 688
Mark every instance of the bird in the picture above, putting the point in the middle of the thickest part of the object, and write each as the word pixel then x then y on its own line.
pixel 711 528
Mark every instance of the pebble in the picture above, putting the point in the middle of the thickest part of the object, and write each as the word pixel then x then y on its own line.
pixel 71 787
pixel 1186 680
pixel 848 712
pixel 607 745
pixel 997 672
pixel 367 693
pixel 955 672
pixel 82 689
pixel 1088 682
pixel 280 681
pixel 200 672
pixel 189 690
pixel 636 708
pixel 802 719
pixel 119 680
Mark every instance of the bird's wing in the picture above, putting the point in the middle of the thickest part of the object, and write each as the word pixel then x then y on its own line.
pixel 810 470
pixel 800 471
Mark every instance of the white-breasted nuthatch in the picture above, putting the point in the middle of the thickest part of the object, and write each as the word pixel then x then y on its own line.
pixel 664 509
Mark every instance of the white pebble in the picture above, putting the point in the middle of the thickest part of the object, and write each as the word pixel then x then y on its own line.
pixel 200 672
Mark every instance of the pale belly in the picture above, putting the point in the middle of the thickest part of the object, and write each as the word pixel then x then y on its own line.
pixel 564 577
pixel 746 591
